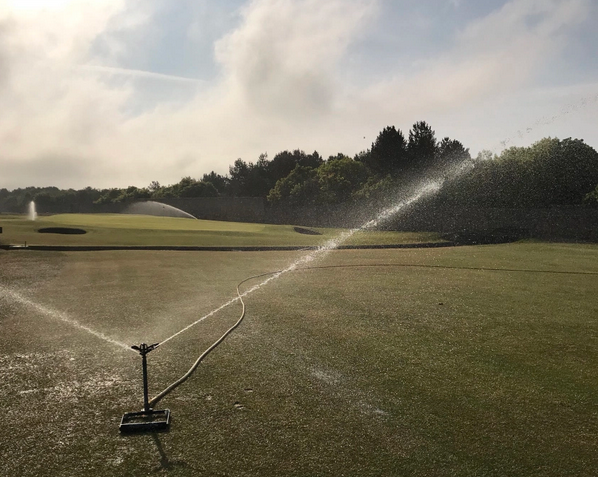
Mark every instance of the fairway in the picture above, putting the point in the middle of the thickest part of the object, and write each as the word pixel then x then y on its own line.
pixel 144 230
pixel 476 360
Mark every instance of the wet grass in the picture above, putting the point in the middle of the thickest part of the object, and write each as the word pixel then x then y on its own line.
pixel 456 361
pixel 143 230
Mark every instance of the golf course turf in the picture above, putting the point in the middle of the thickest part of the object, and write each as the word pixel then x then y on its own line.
pixel 478 360
pixel 142 230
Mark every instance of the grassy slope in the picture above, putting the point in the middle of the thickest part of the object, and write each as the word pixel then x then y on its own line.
pixel 119 229
pixel 377 370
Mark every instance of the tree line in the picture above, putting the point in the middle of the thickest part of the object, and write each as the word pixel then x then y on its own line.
pixel 550 172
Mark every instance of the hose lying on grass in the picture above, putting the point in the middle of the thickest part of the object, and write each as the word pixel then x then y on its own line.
pixel 184 378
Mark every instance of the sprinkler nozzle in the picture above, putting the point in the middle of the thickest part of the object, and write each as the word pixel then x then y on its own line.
pixel 144 348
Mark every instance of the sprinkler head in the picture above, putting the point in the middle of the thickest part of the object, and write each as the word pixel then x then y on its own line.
pixel 144 348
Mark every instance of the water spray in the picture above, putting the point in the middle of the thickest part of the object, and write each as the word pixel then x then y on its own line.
pixel 150 207
pixel 147 419
pixel 31 211
pixel 147 416
pixel 58 315
pixel 427 189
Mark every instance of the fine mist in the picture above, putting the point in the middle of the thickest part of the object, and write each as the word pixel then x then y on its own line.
pixel 156 208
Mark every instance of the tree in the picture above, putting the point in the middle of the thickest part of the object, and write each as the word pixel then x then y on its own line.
pixel 239 176
pixel 451 151
pixel 376 189
pixel 422 146
pixel 548 173
pixel 43 199
pixel 260 181
pixel 388 152
pixel 133 193
pixel 300 187
pixel 284 162
pixel 248 179
pixel 566 170
pixel 339 178
pixel 257 180
pixel 108 196
pixel 199 189
pixel 218 181
pixel 86 196
pixel 154 186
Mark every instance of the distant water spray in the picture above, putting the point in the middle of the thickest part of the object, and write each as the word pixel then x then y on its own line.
pixel 57 315
pixel 151 207
pixel 427 189
pixel 31 213
pixel 582 103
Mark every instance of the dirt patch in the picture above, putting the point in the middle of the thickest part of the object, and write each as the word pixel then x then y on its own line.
pixel 302 230
pixel 62 230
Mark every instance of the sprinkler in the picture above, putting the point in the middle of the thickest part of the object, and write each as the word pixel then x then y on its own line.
pixel 147 419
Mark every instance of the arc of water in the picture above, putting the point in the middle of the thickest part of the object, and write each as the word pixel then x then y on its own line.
pixel 327 247
pixel 427 189
pixel 151 207
pixel 58 315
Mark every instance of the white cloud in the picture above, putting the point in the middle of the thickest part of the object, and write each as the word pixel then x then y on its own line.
pixel 497 54
pixel 279 65
pixel 284 57
pixel 68 115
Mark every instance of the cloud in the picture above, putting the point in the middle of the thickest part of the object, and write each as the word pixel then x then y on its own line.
pixel 284 57
pixel 77 111
pixel 53 168
pixel 499 53
pixel 277 66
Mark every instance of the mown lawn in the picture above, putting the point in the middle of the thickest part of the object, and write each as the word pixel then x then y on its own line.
pixel 474 361
pixel 145 230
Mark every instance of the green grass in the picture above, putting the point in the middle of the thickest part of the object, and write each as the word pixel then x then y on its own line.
pixel 456 361
pixel 127 230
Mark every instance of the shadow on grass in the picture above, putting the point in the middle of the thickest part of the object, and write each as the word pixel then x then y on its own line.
pixel 166 463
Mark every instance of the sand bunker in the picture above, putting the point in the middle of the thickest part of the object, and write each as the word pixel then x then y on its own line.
pixel 303 230
pixel 62 230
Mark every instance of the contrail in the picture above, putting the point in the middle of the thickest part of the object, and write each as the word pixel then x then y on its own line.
pixel 112 70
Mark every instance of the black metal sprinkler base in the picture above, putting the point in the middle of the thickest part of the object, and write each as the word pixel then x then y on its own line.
pixel 148 419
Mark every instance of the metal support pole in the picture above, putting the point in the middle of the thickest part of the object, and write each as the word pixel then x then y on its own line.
pixel 144 349
pixel 144 366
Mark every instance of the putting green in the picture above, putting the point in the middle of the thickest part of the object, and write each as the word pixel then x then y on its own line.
pixel 143 230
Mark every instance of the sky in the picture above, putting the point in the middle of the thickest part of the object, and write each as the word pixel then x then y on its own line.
pixel 113 93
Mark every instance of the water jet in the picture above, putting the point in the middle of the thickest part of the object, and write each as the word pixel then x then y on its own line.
pixel 57 315
pixel 424 189
pixel 150 207
pixel 31 212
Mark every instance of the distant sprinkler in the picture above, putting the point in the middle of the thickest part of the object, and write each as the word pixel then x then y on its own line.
pixel 31 213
